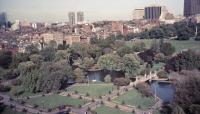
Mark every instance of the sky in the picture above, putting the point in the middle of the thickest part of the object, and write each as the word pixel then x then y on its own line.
pixel 94 10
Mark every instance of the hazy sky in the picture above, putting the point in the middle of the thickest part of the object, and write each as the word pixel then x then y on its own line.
pixel 57 10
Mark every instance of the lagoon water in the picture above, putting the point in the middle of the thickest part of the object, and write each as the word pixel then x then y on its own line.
pixel 165 91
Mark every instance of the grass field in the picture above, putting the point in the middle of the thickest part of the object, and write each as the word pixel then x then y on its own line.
pixel 94 90
pixel 107 110
pixel 10 111
pixel 54 101
pixel 179 45
pixel 134 98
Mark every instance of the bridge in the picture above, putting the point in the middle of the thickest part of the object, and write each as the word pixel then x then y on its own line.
pixel 142 79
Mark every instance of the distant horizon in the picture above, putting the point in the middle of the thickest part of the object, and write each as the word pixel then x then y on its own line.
pixel 94 10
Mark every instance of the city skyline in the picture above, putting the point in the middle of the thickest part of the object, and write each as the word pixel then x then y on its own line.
pixel 53 11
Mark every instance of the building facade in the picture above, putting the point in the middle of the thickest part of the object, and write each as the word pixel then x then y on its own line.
pixel 80 17
pixel 3 18
pixel 71 17
pixel 138 14
pixel 191 7
pixel 152 12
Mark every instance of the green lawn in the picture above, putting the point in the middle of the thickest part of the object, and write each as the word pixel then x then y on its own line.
pixel 179 45
pixel 10 111
pixel 106 110
pixel 134 98
pixel 54 101
pixel 94 90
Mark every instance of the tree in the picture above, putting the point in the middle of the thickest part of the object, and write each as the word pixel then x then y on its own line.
pixel 53 76
pixel 37 59
pixel 107 78
pixel 131 65
pixel 138 46
pixel 31 49
pixel 162 74
pixel 160 57
pixel 52 44
pixel 26 67
pixel 18 58
pixel 167 49
pixel 87 62
pixel 186 60
pixel 178 110
pixel 62 54
pixel 121 51
pixel 48 53
pixel 187 90
pixel 109 62
pixel 79 75
pixel 5 59
pixel 155 46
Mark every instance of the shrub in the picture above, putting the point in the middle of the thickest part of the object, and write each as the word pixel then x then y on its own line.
pixel 107 78
pixel 144 89
pixel 109 99
pixel 76 92
pixel 88 109
pixel 24 110
pixel 79 106
pixel 22 102
pixel 121 81
pixel 93 100
pixel 100 97
pixel 123 102
pixel 116 106
pixel 133 111
pixel 35 105
pixel 87 94
pixel 80 97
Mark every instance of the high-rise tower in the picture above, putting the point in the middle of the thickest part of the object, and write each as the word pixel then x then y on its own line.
pixel 71 17
pixel 191 7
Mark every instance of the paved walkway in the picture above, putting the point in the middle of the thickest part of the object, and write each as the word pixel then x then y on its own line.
pixel 96 101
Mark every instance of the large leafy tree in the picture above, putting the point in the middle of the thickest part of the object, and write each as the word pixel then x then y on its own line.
pixel 187 60
pixel 131 65
pixel 48 53
pixel 187 91
pixel 121 51
pixel 79 75
pixel 53 76
pixel 109 62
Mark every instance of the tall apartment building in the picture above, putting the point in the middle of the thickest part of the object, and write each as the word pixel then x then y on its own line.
pixel 138 14
pixel 152 12
pixel 80 17
pixel 3 18
pixel 71 16
pixel 191 7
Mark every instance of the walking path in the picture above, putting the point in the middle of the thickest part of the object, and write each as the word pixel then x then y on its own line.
pixel 93 102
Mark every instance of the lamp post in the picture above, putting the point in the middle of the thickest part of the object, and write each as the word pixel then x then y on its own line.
pixel 155 89
pixel 88 79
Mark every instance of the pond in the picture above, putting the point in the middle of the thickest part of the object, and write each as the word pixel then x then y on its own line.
pixel 100 75
pixel 165 91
